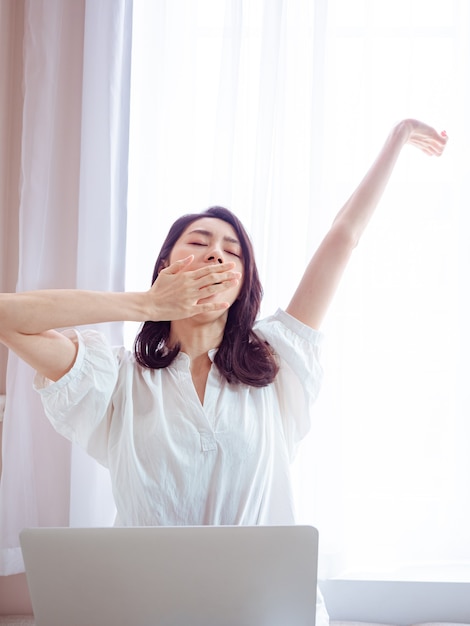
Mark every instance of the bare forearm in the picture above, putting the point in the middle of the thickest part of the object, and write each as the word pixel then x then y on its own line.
pixel 321 278
pixel 28 321
pixel 358 210
pixel 324 271
pixel 174 295
pixel 37 311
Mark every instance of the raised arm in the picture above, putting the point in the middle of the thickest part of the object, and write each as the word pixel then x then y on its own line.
pixel 28 320
pixel 321 278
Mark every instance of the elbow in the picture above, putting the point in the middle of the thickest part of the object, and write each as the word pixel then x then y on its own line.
pixel 6 316
pixel 345 235
pixel 3 321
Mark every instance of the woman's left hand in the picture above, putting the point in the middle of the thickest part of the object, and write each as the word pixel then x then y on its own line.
pixel 424 137
pixel 319 283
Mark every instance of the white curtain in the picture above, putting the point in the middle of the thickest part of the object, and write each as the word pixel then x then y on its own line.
pixel 216 87
pixel 72 221
pixel 395 471
pixel 276 109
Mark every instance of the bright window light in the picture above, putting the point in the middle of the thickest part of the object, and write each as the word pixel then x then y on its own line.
pixel 276 110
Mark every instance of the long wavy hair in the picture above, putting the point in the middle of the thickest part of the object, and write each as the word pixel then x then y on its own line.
pixel 242 356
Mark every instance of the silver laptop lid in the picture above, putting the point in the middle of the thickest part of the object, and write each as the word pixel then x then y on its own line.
pixel 172 576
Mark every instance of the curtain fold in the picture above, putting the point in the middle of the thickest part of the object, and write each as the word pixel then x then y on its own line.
pixel 72 221
pixel 102 207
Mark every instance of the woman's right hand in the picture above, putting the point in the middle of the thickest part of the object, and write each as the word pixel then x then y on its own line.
pixel 28 320
pixel 179 293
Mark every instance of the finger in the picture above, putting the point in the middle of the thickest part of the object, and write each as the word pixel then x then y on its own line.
pixel 438 146
pixel 441 138
pixel 429 152
pixel 214 284
pixel 212 269
pixel 215 274
pixel 429 145
pixel 209 307
pixel 179 266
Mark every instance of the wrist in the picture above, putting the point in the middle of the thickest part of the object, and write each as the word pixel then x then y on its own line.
pixel 401 132
pixel 145 306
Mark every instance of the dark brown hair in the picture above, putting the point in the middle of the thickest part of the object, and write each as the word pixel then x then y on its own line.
pixel 242 356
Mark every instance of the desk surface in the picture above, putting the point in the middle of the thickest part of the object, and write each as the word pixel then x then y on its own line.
pixel 397 602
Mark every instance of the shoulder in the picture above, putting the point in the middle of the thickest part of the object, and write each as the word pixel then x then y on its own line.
pixel 297 346
pixel 284 327
pixel 97 362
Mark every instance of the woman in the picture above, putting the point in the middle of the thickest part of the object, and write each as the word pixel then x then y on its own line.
pixel 199 426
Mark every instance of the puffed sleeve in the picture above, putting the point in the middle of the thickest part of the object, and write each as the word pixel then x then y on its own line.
pixel 78 404
pixel 298 382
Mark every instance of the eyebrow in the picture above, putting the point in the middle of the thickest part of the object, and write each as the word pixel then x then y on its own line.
pixel 208 233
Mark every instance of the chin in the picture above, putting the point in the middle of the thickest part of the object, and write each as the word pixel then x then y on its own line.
pixel 211 316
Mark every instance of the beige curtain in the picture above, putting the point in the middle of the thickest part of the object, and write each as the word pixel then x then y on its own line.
pixel 11 31
pixel 66 219
pixel 13 589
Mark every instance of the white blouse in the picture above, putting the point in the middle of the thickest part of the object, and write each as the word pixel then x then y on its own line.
pixel 174 461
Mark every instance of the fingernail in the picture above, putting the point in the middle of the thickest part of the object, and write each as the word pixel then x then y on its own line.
pixel 444 134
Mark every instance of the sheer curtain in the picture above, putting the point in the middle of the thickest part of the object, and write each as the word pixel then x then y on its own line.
pixel 72 220
pixel 276 109
pixel 395 468
pixel 222 94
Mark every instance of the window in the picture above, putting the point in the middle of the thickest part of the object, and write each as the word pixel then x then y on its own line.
pixel 277 110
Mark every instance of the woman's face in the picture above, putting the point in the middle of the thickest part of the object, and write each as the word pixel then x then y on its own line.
pixel 211 240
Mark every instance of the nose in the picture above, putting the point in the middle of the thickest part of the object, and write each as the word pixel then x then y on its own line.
pixel 216 257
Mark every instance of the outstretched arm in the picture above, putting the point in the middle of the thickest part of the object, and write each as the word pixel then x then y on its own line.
pixel 321 278
pixel 28 320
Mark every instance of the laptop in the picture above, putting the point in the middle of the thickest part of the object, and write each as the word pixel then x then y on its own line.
pixel 172 576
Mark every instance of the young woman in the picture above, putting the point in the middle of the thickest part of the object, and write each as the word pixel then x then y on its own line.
pixel 200 423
